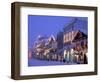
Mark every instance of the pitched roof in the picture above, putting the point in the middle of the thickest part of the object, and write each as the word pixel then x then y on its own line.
pixel 79 35
pixel 73 36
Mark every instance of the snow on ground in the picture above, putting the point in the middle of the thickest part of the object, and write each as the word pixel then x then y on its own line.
pixel 35 62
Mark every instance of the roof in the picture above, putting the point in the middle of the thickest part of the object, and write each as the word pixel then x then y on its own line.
pixel 76 24
pixel 73 36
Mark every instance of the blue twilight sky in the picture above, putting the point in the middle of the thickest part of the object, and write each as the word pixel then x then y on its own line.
pixel 50 25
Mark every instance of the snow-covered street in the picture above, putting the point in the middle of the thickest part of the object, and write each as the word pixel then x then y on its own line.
pixel 35 62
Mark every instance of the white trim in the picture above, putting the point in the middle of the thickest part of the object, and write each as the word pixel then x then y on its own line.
pixel 25 70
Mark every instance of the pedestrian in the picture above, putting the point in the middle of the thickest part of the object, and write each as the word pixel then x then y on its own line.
pixel 85 59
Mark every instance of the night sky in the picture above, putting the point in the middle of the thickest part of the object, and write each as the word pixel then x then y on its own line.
pixel 49 25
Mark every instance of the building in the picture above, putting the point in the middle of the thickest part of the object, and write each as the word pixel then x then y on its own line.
pixel 60 40
pixel 74 42
pixel 45 48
